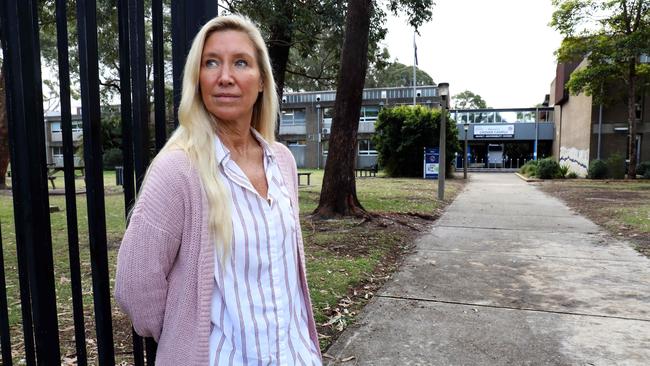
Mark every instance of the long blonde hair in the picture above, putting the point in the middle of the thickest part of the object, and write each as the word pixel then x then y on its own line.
pixel 196 132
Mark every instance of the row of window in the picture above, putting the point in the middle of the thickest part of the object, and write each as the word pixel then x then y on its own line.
pixel 502 117
pixel 296 116
pixel 366 147
pixel 77 126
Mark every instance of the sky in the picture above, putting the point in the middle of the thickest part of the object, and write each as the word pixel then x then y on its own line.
pixel 499 49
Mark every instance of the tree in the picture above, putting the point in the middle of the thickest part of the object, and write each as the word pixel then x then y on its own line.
pixel 611 35
pixel 397 74
pixel 402 133
pixel 469 100
pixel 338 195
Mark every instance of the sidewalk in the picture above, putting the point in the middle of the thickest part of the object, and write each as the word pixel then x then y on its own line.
pixel 508 276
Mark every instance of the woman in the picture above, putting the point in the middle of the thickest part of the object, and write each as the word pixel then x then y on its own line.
pixel 212 265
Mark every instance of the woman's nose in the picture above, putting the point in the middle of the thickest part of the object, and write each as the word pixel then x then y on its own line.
pixel 225 76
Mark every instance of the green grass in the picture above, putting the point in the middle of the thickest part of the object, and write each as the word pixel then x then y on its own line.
pixel 382 193
pixel 637 217
pixel 331 273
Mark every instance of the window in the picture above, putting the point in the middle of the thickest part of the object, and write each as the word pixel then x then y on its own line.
pixel 293 117
pixel 326 147
pixel 77 126
pixel 296 143
pixel 369 114
pixel 57 151
pixel 367 148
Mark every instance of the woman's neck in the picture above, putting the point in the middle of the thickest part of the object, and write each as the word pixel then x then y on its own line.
pixel 237 137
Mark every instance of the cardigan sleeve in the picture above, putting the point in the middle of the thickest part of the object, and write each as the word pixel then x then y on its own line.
pixel 150 246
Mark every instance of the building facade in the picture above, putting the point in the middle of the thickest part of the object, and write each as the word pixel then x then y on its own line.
pixel 54 140
pixel 586 131
pixel 306 121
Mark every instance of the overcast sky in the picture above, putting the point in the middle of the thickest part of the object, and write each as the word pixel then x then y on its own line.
pixel 499 49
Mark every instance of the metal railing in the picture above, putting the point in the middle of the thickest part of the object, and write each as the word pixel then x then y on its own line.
pixel 34 245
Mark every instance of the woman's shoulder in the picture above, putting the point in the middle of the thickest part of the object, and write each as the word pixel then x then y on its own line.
pixel 170 166
pixel 282 152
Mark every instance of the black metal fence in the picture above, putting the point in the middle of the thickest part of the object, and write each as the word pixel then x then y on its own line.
pixel 40 341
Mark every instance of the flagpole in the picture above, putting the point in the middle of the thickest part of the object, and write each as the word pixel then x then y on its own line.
pixel 415 61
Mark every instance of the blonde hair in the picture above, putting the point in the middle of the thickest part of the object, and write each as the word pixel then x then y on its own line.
pixel 196 132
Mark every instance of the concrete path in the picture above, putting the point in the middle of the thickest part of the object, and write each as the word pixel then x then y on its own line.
pixel 508 276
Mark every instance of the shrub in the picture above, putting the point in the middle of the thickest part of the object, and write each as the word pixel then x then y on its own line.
pixel 548 168
pixel 112 157
pixel 643 169
pixel 597 169
pixel 572 175
pixel 564 170
pixel 529 169
pixel 402 133
pixel 615 166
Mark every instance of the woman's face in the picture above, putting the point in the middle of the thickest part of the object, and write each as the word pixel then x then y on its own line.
pixel 229 79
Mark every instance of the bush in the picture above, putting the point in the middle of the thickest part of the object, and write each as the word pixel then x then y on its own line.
pixel 402 133
pixel 597 169
pixel 564 170
pixel 112 157
pixel 529 169
pixel 643 169
pixel 572 175
pixel 615 166
pixel 548 168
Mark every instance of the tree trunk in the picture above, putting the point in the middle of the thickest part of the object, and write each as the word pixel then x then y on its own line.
pixel 339 194
pixel 631 120
pixel 279 45
pixel 4 132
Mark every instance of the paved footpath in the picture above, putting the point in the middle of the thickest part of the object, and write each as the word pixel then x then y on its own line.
pixel 508 276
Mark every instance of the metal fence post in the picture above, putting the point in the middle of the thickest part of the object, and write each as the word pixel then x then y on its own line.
pixel 89 76
pixel 29 184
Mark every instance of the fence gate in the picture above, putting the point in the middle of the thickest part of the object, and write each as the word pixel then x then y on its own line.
pixel 34 254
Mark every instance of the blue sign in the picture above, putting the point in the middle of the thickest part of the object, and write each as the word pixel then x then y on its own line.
pixel 431 163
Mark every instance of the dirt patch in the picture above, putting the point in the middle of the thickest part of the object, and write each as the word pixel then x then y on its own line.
pixel 361 239
pixel 602 201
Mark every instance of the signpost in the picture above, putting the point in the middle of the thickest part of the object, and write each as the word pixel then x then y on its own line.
pixel 431 165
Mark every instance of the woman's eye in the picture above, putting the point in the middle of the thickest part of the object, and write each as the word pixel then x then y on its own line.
pixel 241 63
pixel 211 63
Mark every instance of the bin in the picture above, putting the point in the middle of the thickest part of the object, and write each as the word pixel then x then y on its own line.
pixel 119 175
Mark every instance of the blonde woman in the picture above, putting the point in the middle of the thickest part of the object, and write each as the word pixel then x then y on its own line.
pixel 212 265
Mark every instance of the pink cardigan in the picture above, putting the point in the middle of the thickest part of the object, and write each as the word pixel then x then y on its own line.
pixel 165 265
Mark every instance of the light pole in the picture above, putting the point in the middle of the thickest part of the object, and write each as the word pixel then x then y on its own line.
pixel 443 91
pixel 466 128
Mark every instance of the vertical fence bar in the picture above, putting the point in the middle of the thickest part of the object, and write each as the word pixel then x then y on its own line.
pixel 25 303
pixel 29 183
pixel 70 189
pixel 158 73
pixel 5 337
pixel 140 110
pixel 140 102
pixel 127 138
pixel 186 22
pixel 89 76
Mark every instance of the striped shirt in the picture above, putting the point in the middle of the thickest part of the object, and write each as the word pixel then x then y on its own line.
pixel 259 315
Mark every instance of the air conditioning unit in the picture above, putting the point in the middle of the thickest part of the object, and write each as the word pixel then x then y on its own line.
pixel 325 131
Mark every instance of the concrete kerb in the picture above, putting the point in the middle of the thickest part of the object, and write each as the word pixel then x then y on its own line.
pixel 527 179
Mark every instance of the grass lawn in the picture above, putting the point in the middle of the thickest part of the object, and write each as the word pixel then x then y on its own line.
pixel 347 259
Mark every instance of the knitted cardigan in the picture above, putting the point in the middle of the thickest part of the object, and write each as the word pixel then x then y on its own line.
pixel 165 265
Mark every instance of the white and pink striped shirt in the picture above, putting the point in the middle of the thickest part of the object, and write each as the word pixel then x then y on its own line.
pixel 259 315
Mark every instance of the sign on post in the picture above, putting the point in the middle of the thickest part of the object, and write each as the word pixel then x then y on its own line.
pixel 431 163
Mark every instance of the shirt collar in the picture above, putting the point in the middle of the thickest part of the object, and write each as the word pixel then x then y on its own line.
pixel 223 153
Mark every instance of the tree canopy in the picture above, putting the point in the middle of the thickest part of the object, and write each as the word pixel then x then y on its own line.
pixel 468 100
pixel 611 35
pixel 396 74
